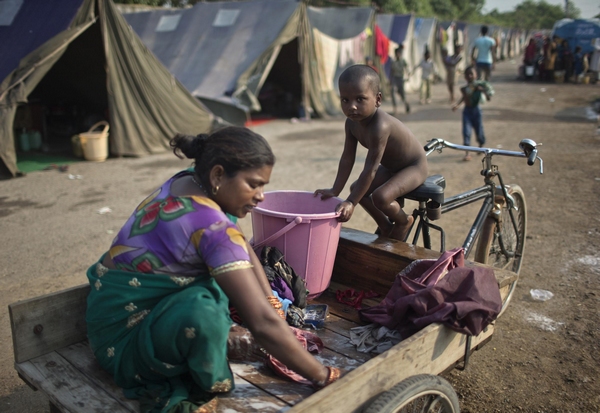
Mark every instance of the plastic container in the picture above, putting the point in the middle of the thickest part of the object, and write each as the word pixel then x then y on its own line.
pixel 95 144
pixel 305 229
pixel 35 140
pixel 24 141
pixel 316 314
pixel 529 71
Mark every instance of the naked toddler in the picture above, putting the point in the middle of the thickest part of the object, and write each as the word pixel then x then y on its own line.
pixel 395 164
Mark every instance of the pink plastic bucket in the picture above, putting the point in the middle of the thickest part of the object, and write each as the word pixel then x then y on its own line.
pixel 305 229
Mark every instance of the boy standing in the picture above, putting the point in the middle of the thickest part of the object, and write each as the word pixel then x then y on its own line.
pixel 427 70
pixel 398 70
pixel 450 62
pixel 395 164
pixel 472 119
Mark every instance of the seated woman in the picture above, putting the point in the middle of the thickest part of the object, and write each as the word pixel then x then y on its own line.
pixel 158 311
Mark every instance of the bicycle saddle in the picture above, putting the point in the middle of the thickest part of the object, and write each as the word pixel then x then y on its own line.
pixel 432 188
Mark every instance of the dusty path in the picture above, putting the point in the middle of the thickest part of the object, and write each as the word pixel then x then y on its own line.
pixel 544 357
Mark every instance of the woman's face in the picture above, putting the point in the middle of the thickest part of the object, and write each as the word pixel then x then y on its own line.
pixel 240 194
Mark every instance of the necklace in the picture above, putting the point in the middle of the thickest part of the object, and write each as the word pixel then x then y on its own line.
pixel 197 183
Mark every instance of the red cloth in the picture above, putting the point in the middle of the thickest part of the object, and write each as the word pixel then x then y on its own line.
pixel 352 297
pixel 382 45
pixel 530 52
pixel 465 299
pixel 310 342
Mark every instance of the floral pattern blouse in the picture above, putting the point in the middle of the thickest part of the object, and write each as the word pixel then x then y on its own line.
pixel 187 236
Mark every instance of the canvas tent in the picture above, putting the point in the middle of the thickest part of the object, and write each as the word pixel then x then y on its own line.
pixel 578 32
pixel 426 38
pixel 275 56
pixel 76 58
pixel 339 39
pixel 400 29
pixel 222 52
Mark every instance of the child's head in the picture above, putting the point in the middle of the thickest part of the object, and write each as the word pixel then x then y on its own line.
pixel 470 74
pixel 359 91
pixel 427 55
pixel 577 49
pixel 399 50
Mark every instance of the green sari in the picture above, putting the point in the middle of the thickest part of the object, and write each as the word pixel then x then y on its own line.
pixel 163 339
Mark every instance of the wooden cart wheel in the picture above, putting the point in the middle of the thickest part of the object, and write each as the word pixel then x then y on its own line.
pixel 424 393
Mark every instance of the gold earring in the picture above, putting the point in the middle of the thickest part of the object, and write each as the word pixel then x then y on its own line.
pixel 215 190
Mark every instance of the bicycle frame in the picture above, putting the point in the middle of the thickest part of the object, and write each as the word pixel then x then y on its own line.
pixel 487 192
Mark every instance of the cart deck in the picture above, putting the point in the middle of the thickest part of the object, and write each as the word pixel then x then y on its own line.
pixel 52 355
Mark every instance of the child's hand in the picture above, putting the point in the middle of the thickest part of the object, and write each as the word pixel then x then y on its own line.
pixel 325 193
pixel 454 108
pixel 345 209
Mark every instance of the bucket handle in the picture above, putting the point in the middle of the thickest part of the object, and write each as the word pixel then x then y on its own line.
pixel 282 231
pixel 101 123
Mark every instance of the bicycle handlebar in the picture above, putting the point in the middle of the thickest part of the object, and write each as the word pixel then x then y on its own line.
pixel 528 147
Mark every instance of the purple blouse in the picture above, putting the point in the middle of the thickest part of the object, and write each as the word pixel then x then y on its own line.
pixel 187 236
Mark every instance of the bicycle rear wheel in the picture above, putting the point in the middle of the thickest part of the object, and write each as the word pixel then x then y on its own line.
pixel 423 393
pixel 500 244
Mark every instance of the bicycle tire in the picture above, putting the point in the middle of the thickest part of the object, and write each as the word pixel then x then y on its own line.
pixel 422 393
pixel 488 249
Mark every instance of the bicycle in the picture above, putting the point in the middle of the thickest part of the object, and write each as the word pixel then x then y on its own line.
pixel 501 223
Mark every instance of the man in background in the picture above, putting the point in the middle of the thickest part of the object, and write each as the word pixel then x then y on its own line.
pixel 483 54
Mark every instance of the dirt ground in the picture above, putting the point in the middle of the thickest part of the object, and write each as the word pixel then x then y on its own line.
pixel 544 356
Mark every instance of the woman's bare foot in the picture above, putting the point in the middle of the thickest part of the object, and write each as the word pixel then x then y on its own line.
pixel 400 231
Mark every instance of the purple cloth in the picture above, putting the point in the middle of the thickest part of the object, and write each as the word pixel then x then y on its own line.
pixel 278 284
pixel 464 299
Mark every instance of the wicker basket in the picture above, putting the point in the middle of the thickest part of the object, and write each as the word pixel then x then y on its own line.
pixel 95 144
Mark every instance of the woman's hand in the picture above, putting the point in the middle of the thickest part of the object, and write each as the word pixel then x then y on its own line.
pixel 269 330
pixel 325 193
pixel 345 209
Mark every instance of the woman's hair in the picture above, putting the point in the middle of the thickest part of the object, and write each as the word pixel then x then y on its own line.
pixel 234 148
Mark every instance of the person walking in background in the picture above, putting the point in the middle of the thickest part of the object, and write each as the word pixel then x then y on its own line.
pixel 483 54
pixel 471 96
pixel 427 69
pixel 450 63
pixel 398 70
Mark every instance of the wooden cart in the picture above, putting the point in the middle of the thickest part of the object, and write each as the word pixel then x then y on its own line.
pixel 52 354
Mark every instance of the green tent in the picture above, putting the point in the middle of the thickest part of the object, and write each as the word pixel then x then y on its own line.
pixel 69 57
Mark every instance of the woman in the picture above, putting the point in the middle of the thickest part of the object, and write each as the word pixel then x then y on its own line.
pixel 158 311
pixel 530 53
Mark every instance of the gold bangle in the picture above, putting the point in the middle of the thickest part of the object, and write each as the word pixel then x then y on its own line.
pixel 274 302
pixel 333 373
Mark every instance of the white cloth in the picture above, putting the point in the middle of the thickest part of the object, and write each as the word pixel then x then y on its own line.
pixel 327 53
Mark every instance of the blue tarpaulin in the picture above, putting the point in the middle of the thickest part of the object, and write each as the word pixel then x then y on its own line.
pixel 579 32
